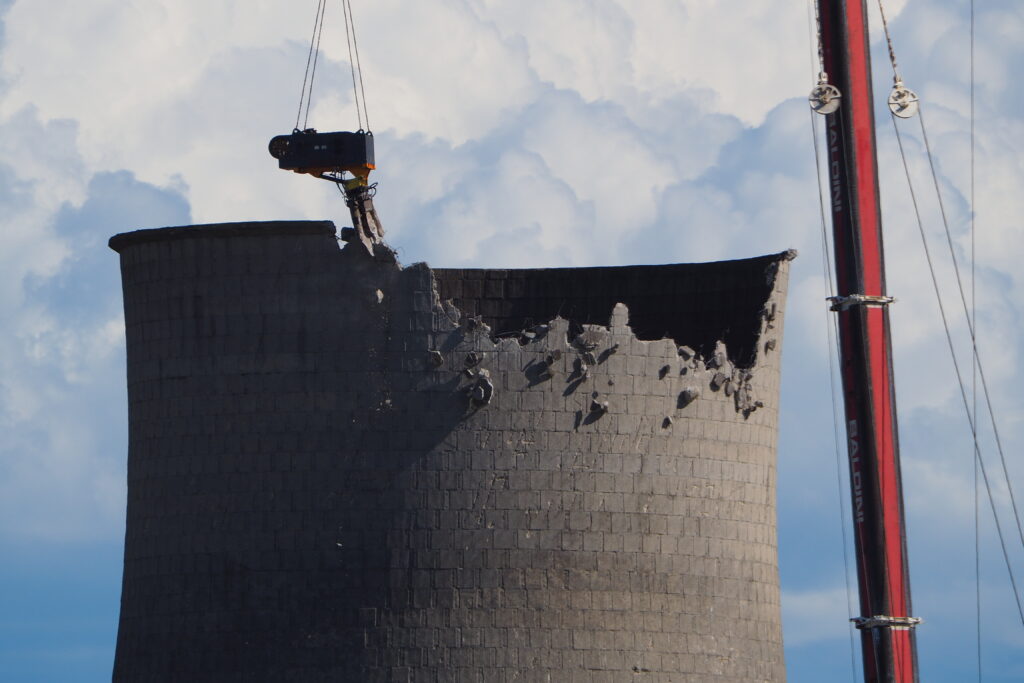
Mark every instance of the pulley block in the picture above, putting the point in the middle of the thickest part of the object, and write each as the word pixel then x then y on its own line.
pixel 825 97
pixel 903 101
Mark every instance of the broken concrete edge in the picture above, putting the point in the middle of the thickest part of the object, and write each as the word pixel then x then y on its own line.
pixel 766 342
pixel 576 354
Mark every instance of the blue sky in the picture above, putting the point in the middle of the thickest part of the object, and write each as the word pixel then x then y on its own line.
pixel 495 125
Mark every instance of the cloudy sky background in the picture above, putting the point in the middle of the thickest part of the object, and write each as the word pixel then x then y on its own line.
pixel 529 133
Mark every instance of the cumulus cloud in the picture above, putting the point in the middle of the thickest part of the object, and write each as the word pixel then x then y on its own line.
pixel 62 397
pixel 811 615
pixel 567 132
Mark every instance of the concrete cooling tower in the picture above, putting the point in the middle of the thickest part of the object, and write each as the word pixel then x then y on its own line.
pixel 341 469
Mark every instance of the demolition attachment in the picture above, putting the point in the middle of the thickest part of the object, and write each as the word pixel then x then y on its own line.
pixel 344 158
pixel 336 157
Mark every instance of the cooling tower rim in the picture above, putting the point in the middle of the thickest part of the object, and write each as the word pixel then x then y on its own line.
pixel 497 273
pixel 224 230
pixel 325 227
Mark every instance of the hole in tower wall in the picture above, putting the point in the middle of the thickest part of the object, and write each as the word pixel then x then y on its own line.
pixel 693 304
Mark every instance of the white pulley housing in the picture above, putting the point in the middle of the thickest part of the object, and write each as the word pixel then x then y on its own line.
pixel 824 98
pixel 902 101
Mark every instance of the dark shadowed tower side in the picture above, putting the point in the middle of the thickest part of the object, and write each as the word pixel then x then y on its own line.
pixel 343 470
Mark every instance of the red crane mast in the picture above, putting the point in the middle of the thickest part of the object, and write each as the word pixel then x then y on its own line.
pixel 861 304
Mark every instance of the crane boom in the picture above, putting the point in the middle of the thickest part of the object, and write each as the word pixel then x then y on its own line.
pixel 861 304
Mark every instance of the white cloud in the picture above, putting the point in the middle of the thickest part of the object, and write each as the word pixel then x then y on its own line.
pixel 62 396
pixel 815 615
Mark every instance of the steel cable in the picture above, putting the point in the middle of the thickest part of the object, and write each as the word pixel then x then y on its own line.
pixel 970 313
pixel 888 42
pixel 831 331
pixel 956 367
pixel 970 327
pixel 832 334
pixel 317 25
pixel 974 370
pixel 359 64
pixel 316 58
pixel 349 36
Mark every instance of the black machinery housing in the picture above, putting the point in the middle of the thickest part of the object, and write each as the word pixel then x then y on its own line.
pixel 316 153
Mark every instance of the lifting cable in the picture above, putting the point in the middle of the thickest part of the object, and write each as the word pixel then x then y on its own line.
pixel 902 103
pixel 306 95
pixel 960 287
pixel 956 368
pixel 959 377
pixel 832 334
pixel 831 323
pixel 888 42
pixel 355 66
pixel 974 373
pixel 976 359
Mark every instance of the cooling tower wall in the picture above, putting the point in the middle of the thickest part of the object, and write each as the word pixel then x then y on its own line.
pixel 334 474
